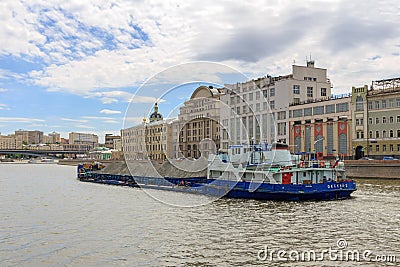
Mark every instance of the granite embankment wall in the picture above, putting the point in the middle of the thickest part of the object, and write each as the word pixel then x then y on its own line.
pixel 367 169
pixel 371 169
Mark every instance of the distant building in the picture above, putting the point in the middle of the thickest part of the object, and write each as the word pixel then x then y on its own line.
pixel 55 138
pixel 28 138
pixel 109 140
pixel 88 139
pixel 148 140
pixel 8 142
pixel 377 116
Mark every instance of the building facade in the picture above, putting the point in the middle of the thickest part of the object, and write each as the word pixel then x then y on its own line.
pixel 322 127
pixel 109 140
pixel 259 109
pixel 8 142
pixel 377 110
pixel 151 140
pixel 87 139
pixel 196 132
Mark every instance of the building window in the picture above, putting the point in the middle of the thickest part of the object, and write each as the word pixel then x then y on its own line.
pixel 297 113
pixel 342 107
pixel 323 91
pixel 244 97
pixel 398 147
pixel 359 103
pixel 376 104
pixel 319 110
pixel 398 118
pixel 265 105
pixel 370 134
pixel 398 102
pixel 265 93
pixel 369 104
pixel 391 134
pixel 330 109
pixel 308 112
pixel 272 104
pixel 377 134
pixel 296 100
pixel 258 107
pixel 309 91
pixel 391 119
pixel 377 148
pixel 370 120
pixel 398 133
pixel 383 103
pixel 383 119
pixel 257 95
pixel 384 148
pixel 376 120
pixel 272 92
pixel 251 97
pixel 391 103
pixel 296 89
pixel 391 148
pixel 370 148
pixel 384 134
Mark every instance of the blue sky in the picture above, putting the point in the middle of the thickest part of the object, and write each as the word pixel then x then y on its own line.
pixel 76 65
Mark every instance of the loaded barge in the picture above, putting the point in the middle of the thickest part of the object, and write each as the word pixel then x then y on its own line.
pixel 269 174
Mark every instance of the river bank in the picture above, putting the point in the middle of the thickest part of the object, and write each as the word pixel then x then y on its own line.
pixel 362 169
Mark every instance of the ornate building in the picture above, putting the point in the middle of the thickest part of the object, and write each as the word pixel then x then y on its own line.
pixel 196 132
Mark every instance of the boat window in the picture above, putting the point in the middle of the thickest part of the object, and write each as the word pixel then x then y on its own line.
pixel 304 174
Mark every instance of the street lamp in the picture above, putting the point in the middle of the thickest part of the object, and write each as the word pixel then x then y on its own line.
pixel 322 138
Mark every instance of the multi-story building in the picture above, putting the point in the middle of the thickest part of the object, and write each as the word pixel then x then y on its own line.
pixel 109 140
pixel 377 133
pixel 88 139
pixel 55 138
pixel 196 132
pixel 148 140
pixel 321 126
pixel 28 137
pixel 8 142
pixel 259 108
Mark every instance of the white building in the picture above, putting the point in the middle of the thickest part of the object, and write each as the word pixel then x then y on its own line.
pixel 259 109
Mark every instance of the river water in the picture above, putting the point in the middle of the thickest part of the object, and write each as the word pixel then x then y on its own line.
pixel 48 218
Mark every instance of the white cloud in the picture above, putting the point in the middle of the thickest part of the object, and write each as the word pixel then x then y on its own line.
pixel 84 126
pixel 74 120
pixel 20 120
pixel 2 90
pixel 4 106
pixel 91 48
pixel 109 111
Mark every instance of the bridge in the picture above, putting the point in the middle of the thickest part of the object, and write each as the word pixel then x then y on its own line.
pixel 38 153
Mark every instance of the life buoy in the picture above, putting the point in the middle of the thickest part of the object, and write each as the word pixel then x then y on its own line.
pixel 301 164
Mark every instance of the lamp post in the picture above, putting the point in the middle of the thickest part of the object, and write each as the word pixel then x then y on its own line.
pixel 322 138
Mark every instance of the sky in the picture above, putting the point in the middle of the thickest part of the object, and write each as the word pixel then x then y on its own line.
pixel 84 65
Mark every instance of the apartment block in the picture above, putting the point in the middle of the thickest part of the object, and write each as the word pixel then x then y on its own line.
pixel 259 109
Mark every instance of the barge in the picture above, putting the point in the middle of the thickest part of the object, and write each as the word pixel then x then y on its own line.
pixel 269 174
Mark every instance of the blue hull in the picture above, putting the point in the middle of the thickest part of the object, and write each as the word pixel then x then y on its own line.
pixel 232 189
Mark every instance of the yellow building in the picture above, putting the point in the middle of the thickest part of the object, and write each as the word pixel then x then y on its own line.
pixel 377 119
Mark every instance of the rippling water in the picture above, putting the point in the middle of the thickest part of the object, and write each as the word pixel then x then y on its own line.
pixel 48 218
